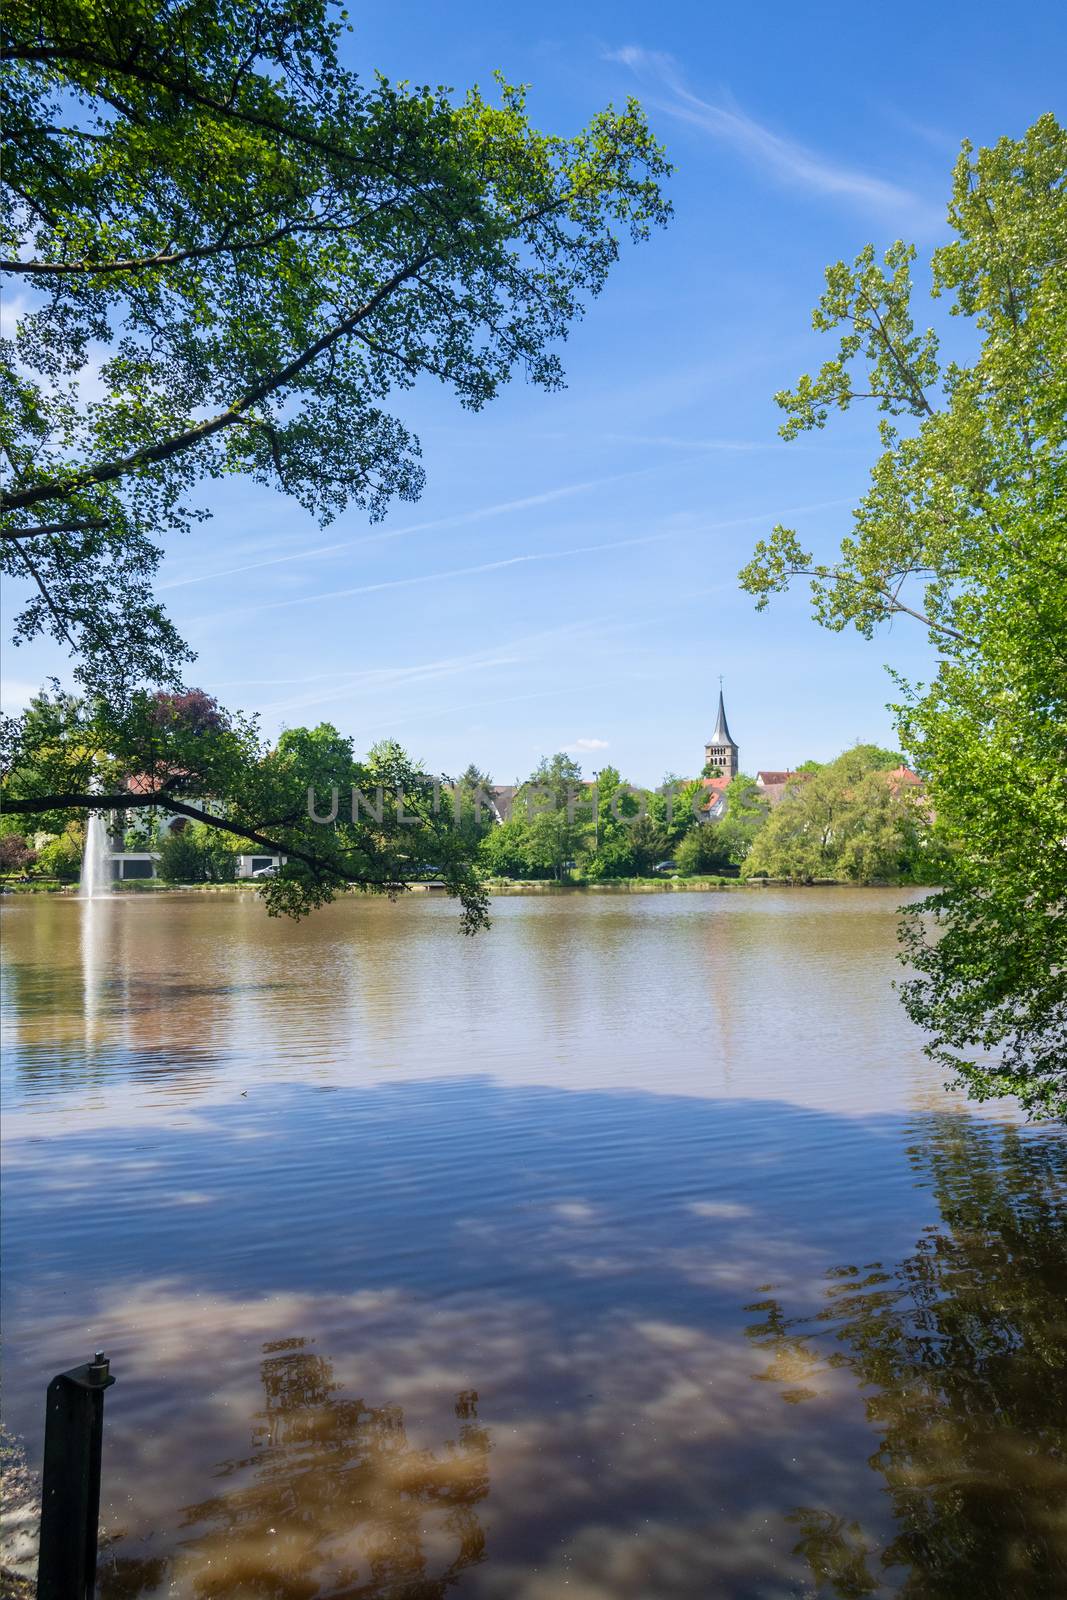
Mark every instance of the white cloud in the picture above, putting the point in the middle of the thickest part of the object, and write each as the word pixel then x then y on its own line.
pixel 786 159
pixel 587 744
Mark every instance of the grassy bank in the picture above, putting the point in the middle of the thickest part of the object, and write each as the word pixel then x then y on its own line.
pixel 497 886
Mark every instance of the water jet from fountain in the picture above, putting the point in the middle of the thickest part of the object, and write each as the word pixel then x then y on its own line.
pixel 96 860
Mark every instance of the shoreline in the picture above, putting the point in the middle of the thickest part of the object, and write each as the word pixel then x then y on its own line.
pixel 500 888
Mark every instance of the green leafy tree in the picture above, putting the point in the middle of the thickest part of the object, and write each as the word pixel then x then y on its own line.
pixel 294 799
pixel 703 849
pixel 471 803
pixel 196 854
pixel 556 810
pixel 608 851
pixel 181 859
pixel 648 845
pixel 963 528
pixel 60 855
pixel 258 251
pixel 745 817
pixel 504 852
pixel 676 807
pixel 849 820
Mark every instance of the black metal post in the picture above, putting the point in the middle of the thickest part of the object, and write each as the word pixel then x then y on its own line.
pixel 70 1491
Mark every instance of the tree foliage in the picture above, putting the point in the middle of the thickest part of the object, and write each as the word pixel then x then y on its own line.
pixel 68 756
pixel 851 820
pixel 16 853
pixel 960 1353
pixel 249 252
pixel 964 527
pixel 703 849
pixel 196 854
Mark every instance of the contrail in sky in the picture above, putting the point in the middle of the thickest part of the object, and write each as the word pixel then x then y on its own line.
pixel 456 520
pixel 435 577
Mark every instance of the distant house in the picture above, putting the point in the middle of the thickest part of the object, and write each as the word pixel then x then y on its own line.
pixel 502 799
pixel 715 806
pixel 773 785
pixel 143 863
pixel 902 777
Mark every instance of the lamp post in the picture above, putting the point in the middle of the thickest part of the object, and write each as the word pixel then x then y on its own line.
pixel 596 810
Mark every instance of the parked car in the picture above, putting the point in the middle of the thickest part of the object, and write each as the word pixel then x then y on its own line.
pixel 665 866
pixel 266 872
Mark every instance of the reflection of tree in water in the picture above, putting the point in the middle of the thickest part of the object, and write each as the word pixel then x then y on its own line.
pixel 332 1500
pixel 964 1344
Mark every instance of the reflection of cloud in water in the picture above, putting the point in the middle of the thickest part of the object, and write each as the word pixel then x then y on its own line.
pixel 633 1452
pixel 628 1428
pixel 331 1497
pixel 564 1207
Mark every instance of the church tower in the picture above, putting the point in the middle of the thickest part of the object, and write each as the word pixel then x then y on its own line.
pixel 720 750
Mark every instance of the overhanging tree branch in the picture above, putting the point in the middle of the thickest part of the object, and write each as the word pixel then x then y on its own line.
pixel 150 455
pixel 77 525
pixel 53 55
pixel 124 801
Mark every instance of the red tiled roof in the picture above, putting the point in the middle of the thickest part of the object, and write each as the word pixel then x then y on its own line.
pixel 144 783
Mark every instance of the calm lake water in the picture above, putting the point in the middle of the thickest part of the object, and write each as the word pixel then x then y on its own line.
pixel 631 1251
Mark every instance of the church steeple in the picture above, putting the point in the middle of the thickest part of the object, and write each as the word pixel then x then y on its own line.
pixel 720 750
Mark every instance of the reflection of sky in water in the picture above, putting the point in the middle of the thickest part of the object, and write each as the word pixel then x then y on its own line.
pixel 700 1256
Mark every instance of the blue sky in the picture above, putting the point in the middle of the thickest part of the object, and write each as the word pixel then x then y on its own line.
pixel 568 579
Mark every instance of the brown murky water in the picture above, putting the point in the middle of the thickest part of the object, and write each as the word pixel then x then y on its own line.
pixel 630 1252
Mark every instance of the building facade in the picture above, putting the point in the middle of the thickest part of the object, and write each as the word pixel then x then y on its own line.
pixel 720 750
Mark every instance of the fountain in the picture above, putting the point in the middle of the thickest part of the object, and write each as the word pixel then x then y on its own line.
pixel 96 861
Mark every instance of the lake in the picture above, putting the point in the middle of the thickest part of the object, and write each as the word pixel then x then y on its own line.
pixel 630 1251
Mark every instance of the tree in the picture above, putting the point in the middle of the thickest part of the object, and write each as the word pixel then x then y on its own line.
pixel 555 813
pixel 960 1354
pixel 702 850
pixel 648 845
pixel 471 804
pixel 608 851
pixel 367 1510
pixel 504 852
pixel 265 250
pixel 849 820
pixel 294 800
pixel 60 855
pixel 181 859
pixel 196 854
pixel 746 815
pixel 16 853
pixel 963 528
pixel 193 709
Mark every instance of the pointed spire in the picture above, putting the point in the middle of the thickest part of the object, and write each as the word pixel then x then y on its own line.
pixel 722 732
